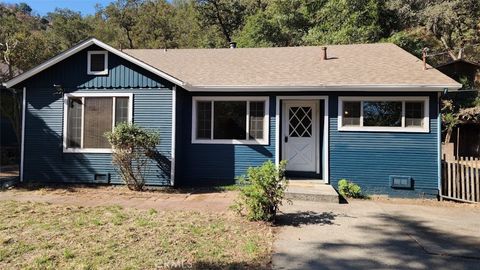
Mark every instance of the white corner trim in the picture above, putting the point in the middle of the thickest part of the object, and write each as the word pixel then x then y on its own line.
pixel 83 95
pixel 174 132
pixel 439 144
pixel 266 120
pixel 22 153
pixel 403 128
pixel 326 129
pixel 89 63
pixel 82 46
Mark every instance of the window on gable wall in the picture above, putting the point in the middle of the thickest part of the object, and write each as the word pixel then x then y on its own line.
pixel 97 63
pixel 89 117
pixel 408 114
pixel 230 120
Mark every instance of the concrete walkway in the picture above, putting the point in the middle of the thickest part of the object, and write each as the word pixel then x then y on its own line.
pixel 109 196
pixel 398 234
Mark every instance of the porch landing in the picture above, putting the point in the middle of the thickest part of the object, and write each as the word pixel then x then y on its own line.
pixel 311 190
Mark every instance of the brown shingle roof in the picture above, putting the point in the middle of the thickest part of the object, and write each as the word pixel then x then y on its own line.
pixel 379 65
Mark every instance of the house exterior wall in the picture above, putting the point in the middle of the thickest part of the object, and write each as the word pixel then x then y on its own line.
pixel 44 160
pixel 205 164
pixel 367 158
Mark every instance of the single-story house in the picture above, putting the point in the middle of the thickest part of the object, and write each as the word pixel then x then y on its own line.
pixel 365 112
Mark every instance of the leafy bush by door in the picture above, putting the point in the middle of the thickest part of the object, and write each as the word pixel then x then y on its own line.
pixel 262 192
pixel 349 189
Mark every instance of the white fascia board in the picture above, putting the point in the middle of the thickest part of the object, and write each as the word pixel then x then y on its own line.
pixel 80 47
pixel 323 88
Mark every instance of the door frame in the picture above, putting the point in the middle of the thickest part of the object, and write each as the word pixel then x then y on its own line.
pixel 325 144
pixel 315 123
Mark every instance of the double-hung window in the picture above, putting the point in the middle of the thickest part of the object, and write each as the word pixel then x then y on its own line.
pixel 88 116
pixel 401 114
pixel 230 120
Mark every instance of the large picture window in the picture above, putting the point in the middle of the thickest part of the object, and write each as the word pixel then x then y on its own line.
pixel 403 114
pixel 230 120
pixel 89 116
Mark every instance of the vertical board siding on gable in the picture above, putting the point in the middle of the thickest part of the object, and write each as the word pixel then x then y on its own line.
pixel 44 157
pixel 72 73
pixel 202 164
pixel 369 158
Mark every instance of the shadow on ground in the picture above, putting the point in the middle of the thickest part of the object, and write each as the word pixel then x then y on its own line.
pixel 300 218
pixel 393 242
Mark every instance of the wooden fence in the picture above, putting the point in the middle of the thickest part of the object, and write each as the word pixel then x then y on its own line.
pixel 461 179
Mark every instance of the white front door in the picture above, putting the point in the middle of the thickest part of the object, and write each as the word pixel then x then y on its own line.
pixel 300 135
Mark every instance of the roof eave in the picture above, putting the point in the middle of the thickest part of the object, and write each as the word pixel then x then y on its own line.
pixel 331 87
pixel 92 41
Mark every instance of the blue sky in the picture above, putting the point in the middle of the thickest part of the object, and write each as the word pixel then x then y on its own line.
pixel 42 7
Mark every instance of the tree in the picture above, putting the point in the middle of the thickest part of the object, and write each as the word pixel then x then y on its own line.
pixel 24 8
pixel 155 25
pixel 67 27
pixel 281 23
pixel 124 14
pixel 227 15
pixel 345 22
pixel 455 23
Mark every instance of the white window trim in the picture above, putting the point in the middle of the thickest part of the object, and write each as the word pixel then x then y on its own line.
pixel 266 120
pixel 105 68
pixel 84 95
pixel 426 118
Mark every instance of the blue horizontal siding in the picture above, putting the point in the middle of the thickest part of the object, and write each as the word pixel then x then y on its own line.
pixel 369 158
pixel 204 164
pixel 44 157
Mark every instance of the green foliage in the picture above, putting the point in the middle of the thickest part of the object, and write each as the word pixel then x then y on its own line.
pixel 133 150
pixel 349 189
pixel 263 192
pixel 355 21
pixel 413 41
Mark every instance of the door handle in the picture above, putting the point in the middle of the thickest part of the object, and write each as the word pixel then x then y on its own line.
pixel 286 139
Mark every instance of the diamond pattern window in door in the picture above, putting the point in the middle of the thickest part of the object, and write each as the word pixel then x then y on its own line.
pixel 300 122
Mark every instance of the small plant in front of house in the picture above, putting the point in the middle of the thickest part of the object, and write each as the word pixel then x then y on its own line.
pixel 262 191
pixel 133 150
pixel 349 189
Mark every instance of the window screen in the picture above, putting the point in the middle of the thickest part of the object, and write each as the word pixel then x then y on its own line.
pixel 204 119
pixel 121 110
pixel 351 113
pixel 414 114
pixel 74 122
pixel 97 62
pixel 257 113
pixel 98 120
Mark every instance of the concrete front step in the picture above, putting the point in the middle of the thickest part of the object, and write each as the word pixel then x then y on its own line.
pixel 311 190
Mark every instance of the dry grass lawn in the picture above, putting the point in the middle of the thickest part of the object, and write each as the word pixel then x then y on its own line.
pixel 46 236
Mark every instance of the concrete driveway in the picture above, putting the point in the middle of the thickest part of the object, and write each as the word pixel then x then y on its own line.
pixel 398 234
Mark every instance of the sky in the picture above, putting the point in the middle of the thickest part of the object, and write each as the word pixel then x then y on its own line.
pixel 42 7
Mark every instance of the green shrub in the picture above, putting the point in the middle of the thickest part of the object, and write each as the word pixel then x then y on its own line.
pixel 133 149
pixel 262 192
pixel 349 189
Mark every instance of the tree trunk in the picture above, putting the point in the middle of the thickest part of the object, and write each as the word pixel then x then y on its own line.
pixel 220 22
